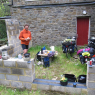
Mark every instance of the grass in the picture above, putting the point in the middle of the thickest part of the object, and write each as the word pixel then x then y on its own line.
pixel 60 65
pixel 9 91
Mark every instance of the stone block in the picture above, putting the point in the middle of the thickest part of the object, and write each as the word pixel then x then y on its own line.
pixel 28 72
pixel 27 85
pixel 24 64
pixel 1 62
pixel 58 88
pixel 73 90
pixel 12 28
pixel 10 51
pixel 91 92
pixel 5 70
pixel 16 84
pixel 12 77
pixel 25 79
pixel 5 82
pixel 9 63
pixel 17 71
pixel 2 76
pixel 91 84
pixel 91 77
pixel 91 70
pixel 43 87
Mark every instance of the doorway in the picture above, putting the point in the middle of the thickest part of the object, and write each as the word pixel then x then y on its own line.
pixel 82 30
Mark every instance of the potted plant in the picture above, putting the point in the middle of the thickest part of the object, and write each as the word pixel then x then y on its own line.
pixel 64 81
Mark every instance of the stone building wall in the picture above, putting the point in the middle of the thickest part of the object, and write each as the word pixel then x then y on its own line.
pixel 51 25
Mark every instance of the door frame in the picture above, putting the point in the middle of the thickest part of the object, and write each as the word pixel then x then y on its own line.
pixel 89 25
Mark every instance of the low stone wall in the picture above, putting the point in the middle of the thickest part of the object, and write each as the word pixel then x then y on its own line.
pixel 91 80
pixel 17 73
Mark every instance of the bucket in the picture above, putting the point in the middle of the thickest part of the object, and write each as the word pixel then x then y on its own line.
pixel 52 48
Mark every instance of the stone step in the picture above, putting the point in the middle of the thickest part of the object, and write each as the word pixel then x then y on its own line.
pixel 57 83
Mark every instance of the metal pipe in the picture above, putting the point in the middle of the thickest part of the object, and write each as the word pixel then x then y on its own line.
pixel 56 5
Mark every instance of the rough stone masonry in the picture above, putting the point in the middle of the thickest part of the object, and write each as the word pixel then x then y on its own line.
pixel 51 21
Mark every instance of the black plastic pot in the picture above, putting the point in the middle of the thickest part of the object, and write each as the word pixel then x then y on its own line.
pixel 27 55
pixel 82 78
pixel 64 83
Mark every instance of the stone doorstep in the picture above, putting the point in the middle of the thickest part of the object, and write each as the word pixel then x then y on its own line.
pixel 57 83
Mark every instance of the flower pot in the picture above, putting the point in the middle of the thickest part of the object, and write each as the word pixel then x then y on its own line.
pixel 64 83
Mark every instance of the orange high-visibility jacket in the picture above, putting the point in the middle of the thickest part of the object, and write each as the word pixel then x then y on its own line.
pixel 23 35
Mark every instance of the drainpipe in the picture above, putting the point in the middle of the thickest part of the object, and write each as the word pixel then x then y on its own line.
pixel 11 3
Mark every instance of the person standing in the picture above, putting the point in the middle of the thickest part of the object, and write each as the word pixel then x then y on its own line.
pixel 25 37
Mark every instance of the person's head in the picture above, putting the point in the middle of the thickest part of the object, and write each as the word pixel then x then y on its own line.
pixel 26 26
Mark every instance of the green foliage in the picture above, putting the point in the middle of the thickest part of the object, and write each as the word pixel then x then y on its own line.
pixel 3 33
pixel 2 1
pixel 4 10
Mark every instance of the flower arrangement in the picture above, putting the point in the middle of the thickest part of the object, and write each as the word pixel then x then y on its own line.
pixel 64 80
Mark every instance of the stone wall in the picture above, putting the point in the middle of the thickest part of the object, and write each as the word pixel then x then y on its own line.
pixel 51 25
pixel 17 73
pixel 91 80
pixel 14 45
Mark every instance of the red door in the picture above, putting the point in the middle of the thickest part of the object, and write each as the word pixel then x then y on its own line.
pixel 82 31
